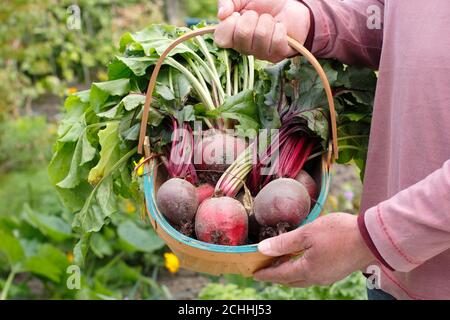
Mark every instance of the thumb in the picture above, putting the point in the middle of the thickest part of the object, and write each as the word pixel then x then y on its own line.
pixel 227 7
pixel 286 243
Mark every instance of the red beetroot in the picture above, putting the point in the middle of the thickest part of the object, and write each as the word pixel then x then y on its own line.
pixel 204 192
pixel 308 182
pixel 283 200
pixel 222 221
pixel 217 150
pixel 177 200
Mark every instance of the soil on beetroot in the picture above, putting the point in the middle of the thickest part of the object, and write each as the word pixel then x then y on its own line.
pixel 187 284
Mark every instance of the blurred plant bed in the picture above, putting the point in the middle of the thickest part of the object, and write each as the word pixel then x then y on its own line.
pixel 237 288
pixel 37 242
pixel 41 55
pixel 346 189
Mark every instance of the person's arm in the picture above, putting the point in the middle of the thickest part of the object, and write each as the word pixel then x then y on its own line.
pixel 346 30
pixel 413 226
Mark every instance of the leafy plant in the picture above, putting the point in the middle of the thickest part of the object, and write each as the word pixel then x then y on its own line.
pixel 44 52
pixel 351 288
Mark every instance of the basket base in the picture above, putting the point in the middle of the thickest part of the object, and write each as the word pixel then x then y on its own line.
pixel 213 263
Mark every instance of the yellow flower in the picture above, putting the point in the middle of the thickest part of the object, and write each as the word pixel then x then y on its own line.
pixel 69 256
pixel 129 207
pixel 72 90
pixel 171 262
pixel 102 75
pixel 140 170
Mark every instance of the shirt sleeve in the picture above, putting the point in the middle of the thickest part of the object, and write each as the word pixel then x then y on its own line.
pixel 349 31
pixel 414 225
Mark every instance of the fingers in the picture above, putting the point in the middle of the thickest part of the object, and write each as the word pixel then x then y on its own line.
pixel 255 35
pixel 263 36
pixel 245 29
pixel 227 7
pixel 286 243
pixel 292 271
pixel 224 33
pixel 280 48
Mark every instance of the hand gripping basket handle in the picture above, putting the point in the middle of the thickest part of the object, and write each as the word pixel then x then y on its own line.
pixel 333 147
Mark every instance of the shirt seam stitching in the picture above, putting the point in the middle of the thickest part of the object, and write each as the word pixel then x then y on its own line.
pixel 391 240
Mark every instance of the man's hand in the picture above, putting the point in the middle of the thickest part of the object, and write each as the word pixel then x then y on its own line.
pixel 260 27
pixel 333 248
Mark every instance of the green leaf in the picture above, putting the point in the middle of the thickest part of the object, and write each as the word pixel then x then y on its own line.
pixel 312 94
pixel 58 169
pixel 101 202
pixel 241 107
pixel 181 87
pixel 132 101
pixel 48 262
pixel 356 78
pixel 118 70
pixel 73 124
pixel 274 74
pixel 154 39
pixel 138 239
pixel 109 154
pixel 186 114
pixel 73 177
pixel 88 151
pixel 106 198
pixel 317 121
pixel 110 113
pixel 131 134
pixel 11 248
pixel 138 65
pixel 80 249
pixel 50 225
pixel 101 91
pixel 165 92
pixel 100 246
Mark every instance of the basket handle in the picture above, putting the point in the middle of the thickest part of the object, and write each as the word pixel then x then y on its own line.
pixel 333 151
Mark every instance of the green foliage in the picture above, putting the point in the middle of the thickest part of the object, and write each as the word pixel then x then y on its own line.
pixel 354 97
pixel 351 288
pixel 40 54
pixel 203 9
pixel 25 141
pixel 37 240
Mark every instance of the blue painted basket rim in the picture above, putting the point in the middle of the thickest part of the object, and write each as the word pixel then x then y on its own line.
pixel 149 191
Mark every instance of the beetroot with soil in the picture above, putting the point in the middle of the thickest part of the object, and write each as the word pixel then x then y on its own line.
pixel 282 201
pixel 222 221
pixel 177 200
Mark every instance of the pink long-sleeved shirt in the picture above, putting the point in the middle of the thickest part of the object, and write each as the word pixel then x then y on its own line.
pixel 405 216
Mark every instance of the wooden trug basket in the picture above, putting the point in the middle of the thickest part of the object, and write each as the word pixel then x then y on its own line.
pixel 210 258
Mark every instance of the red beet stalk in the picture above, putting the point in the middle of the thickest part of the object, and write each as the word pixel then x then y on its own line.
pixel 180 163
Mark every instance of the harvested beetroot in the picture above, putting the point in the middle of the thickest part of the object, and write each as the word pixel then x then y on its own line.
pixel 222 221
pixel 177 200
pixel 308 182
pixel 204 192
pixel 283 200
pixel 216 151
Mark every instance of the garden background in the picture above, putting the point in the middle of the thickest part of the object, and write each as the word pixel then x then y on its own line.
pixel 46 53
